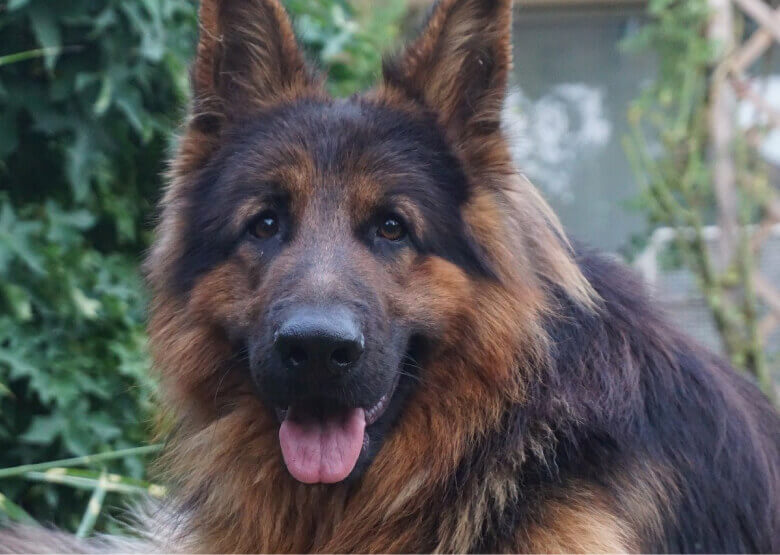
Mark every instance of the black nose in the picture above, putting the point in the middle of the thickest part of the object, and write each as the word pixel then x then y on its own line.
pixel 313 340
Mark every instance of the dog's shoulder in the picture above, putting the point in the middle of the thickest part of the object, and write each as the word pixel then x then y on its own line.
pixel 664 413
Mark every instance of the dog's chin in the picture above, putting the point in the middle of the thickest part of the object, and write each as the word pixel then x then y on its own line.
pixel 323 441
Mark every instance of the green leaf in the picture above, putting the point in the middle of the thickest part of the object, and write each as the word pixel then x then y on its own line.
pixel 15 512
pixel 131 105
pixel 44 429
pixel 79 156
pixel 16 240
pixel 16 4
pixel 104 97
pixel 102 426
pixel 4 391
pixel 19 300
pixel 89 308
pixel 67 227
pixel 8 132
pixel 46 32
pixel 16 363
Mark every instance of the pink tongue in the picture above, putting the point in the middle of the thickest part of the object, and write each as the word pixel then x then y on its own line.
pixel 318 450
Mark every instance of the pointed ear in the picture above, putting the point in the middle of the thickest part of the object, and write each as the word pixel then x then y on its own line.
pixel 460 64
pixel 248 59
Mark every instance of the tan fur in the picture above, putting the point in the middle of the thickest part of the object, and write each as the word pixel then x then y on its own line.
pixel 584 518
pixel 646 495
pixel 582 522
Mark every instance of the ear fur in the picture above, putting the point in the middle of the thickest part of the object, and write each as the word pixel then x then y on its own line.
pixel 459 65
pixel 247 60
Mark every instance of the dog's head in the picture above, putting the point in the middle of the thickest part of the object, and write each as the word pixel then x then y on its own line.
pixel 331 246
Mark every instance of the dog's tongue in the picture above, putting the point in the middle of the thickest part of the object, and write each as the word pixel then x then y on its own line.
pixel 322 449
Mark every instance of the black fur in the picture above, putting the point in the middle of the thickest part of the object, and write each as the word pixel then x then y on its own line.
pixel 625 395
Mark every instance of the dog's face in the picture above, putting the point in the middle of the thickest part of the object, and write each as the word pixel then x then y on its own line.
pixel 322 215
pixel 327 239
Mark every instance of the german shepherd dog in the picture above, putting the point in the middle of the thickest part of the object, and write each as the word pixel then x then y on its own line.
pixel 374 335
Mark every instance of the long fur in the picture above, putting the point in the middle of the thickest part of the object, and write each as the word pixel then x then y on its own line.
pixel 555 409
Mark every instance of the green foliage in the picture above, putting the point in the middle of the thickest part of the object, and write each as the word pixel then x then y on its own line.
pixel 90 94
pixel 85 123
pixel 347 39
pixel 669 146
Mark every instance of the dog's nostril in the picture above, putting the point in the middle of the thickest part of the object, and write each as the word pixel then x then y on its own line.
pixel 297 357
pixel 341 357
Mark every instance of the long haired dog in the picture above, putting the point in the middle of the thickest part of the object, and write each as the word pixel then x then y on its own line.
pixel 374 335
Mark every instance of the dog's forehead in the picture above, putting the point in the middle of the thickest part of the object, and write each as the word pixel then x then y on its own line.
pixel 346 152
pixel 343 135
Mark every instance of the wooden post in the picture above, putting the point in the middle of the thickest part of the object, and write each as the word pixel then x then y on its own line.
pixel 722 111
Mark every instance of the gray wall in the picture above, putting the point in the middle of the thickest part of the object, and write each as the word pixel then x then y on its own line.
pixel 572 87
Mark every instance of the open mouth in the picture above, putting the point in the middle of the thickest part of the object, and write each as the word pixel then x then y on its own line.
pixel 321 445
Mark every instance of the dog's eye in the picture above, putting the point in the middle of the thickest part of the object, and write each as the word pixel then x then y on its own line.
pixel 266 225
pixel 392 229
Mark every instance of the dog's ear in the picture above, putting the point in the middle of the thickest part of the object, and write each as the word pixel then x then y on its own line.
pixel 459 65
pixel 248 59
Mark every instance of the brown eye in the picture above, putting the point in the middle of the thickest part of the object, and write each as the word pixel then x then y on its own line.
pixel 392 229
pixel 266 225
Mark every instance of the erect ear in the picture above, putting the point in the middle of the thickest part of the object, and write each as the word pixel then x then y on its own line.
pixel 248 59
pixel 459 65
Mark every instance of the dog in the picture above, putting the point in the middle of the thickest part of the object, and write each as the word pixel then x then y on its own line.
pixel 373 334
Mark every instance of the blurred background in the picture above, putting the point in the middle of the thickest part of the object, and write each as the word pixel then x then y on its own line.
pixel 652 127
